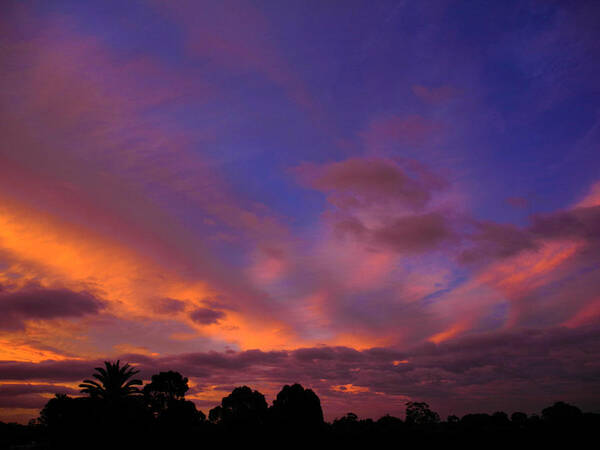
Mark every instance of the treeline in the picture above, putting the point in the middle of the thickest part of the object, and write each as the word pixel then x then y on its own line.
pixel 117 412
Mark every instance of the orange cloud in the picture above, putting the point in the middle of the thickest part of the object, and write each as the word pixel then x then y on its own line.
pixel 450 332
pixel 50 252
pixel 529 269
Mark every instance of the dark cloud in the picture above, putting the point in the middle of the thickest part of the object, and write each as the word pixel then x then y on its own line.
pixel 64 370
pixel 414 233
pixel 30 395
pixel 206 316
pixel 7 390
pixel 361 181
pixel 578 223
pixel 36 303
pixel 211 362
pixel 380 202
pixel 405 234
pixel 492 240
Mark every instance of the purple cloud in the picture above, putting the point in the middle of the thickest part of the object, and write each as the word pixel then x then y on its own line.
pixel 36 303
pixel 359 181
pixel 206 316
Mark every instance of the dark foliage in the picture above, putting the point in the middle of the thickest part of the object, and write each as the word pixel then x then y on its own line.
pixel 115 415
pixel 113 383
pixel 165 389
pixel 296 407
pixel 418 413
pixel 243 408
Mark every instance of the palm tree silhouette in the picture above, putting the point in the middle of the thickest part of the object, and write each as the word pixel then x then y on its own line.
pixel 114 382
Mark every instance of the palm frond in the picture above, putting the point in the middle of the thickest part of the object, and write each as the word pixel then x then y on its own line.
pixel 114 381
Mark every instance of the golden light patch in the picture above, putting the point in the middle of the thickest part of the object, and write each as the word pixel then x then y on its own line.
pixel 350 388
pixel 361 341
pixel 13 351
pixel 126 348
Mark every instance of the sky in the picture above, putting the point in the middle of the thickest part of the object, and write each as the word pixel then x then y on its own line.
pixel 383 201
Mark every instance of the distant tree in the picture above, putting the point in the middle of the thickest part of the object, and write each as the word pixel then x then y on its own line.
pixel 68 420
pixel 452 419
pixel 215 415
pixel 500 419
pixel 165 395
pixel 113 383
pixel 57 411
pixel 348 424
pixel 476 421
pixel 296 406
pixel 562 412
pixel 243 407
pixel 164 389
pixel 518 418
pixel 389 424
pixel 350 417
pixel 418 413
pixel 181 414
pixel 390 421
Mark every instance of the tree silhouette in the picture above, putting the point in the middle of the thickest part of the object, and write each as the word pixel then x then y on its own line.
pixel 114 382
pixel 562 412
pixel 165 395
pixel 296 406
pixel 500 419
pixel 518 418
pixel 164 389
pixel 243 407
pixel 389 424
pixel 452 419
pixel 55 412
pixel 418 413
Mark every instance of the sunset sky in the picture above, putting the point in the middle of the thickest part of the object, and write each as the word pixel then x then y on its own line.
pixel 383 200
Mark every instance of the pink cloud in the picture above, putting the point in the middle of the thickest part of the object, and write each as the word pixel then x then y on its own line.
pixel 415 233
